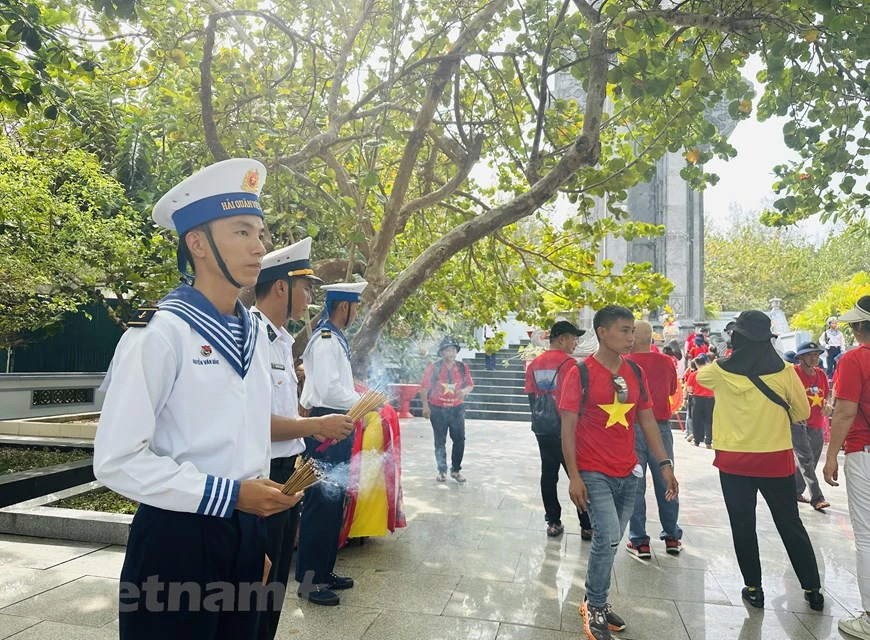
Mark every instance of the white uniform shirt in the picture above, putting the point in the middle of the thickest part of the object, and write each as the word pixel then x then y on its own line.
pixel 328 376
pixel 285 402
pixel 180 427
pixel 833 339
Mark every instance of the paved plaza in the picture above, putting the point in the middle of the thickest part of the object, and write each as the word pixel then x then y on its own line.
pixel 475 563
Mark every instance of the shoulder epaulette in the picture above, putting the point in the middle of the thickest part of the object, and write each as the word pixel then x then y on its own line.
pixel 325 333
pixel 271 333
pixel 142 317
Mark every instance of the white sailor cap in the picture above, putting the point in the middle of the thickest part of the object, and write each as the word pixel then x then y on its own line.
pixel 289 262
pixel 221 190
pixel 344 291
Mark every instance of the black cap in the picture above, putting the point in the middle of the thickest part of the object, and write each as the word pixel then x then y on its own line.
pixel 754 325
pixel 730 325
pixel 448 341
pixel 562 327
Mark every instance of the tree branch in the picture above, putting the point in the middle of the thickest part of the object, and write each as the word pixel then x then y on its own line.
pixel 443 73
pixel 729 24
pixel 341 63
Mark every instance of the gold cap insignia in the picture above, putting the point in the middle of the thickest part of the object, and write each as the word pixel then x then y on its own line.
pixel 251 182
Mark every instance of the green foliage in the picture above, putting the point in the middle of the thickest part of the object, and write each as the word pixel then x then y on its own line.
pixel 15 459
pixel 336 131
pixel 99 500
pixel 66 230
pixel 493 345
pixel 837 298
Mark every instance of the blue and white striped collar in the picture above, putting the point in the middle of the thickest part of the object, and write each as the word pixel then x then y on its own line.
pixel 196 310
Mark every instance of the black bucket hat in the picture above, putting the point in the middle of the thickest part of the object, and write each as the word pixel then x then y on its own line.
pixel 754 325
pixel 448 341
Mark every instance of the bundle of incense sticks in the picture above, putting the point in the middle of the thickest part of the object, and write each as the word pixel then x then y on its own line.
pixel 305 475
pixel 370 401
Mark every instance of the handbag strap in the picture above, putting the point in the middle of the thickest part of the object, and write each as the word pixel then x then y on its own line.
pixel 769 393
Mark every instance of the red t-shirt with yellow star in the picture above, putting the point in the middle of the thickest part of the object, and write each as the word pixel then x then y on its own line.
pixel 444 390
pixel 605 429
pixel 817 391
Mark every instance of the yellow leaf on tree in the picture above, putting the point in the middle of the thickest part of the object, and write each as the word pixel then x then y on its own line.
pixel 693 155
pixel 745 106
pixel 812 35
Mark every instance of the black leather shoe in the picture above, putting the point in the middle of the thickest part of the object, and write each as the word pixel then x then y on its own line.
pixel 755 597
pixel 321 596
pixel 340 583
pixel 815 599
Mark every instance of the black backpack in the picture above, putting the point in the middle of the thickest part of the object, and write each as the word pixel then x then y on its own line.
pixel 545 416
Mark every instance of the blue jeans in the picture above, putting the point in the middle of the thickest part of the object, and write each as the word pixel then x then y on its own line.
pixel 611 501
pixel 668 511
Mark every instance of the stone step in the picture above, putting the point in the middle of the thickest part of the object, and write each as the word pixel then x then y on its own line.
pixel 490 389
pixel 516 365
pixel 500 375
pixel 472 404
pixel 509 416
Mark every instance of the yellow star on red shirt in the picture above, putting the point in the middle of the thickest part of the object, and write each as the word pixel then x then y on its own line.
pixel 816 400
pixel 617 413
pixel 449 389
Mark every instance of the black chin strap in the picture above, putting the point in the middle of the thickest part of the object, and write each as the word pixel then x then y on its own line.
pixel 289 299
pixel 220 261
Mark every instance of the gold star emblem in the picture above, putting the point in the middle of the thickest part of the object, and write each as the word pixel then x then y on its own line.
pixel 617 412
pixel 449 388
pixel 816 400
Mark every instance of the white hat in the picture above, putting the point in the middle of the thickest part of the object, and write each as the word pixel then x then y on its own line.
pixel 227 188
pixel 344 291
pixel 289 262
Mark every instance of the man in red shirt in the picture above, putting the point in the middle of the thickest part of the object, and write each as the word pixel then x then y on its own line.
pixel 545 375
pixel 662 376
pixel 703 403
pixel 443 393
pixel 808 437
pixel 600 402
pixel 851 424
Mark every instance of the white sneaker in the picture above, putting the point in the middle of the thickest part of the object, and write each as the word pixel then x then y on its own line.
pixel 857 627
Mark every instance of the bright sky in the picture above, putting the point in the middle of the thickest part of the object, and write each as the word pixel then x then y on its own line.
pixel 746 180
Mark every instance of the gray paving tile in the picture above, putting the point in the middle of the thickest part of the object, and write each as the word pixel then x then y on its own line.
pixel 88 601
pixel 783 594
pixel 721 622
pixel 56 630
pixel 302 620
pixel 20 583
pixel 678 584
pixel 10 625
pixel 821 627
pixel 397 625
pixel 398 591
pixel 41 553
pixel 523 604
pixel 645 618
pixel 105 563
pixel 487 564
pixel 518 632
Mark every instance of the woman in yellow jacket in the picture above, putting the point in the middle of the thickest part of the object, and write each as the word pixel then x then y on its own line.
pixel 757 399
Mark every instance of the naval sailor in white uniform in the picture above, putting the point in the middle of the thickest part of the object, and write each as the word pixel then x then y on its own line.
pixel 185 425
pixel 328 389
pixel 283 293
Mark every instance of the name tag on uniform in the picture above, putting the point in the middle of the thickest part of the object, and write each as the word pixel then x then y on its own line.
pixel 279 366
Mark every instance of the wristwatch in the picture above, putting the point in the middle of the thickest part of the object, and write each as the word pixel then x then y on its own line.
pixel 666 462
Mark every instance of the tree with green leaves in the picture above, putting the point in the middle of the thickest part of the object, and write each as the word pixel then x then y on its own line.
pixel 66 233
pixel 836 298
pixel 424 145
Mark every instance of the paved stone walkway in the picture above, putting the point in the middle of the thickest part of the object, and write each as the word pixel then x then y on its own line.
pixel 475 563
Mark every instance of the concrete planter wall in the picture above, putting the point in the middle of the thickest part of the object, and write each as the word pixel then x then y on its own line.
pixel 36 518
pixel 33 395
pixel 26 485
